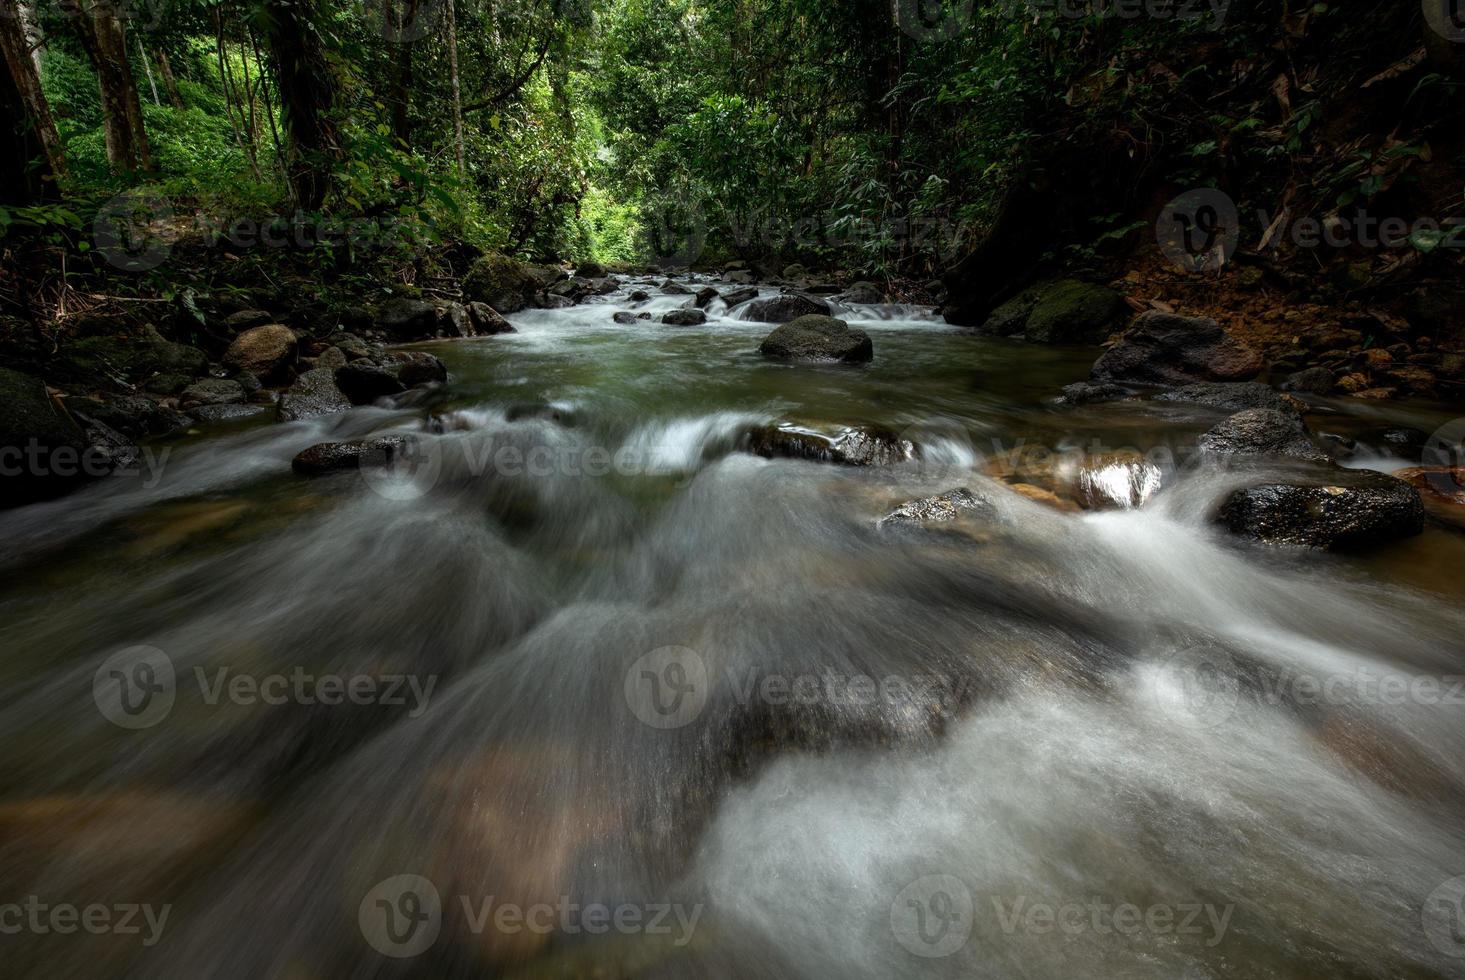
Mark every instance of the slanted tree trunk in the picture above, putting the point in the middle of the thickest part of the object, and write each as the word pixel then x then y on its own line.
pixel 403 33
pixel 106 44
pixel 26 102
pixel 307 94
pixel 147 66
pixel 170 83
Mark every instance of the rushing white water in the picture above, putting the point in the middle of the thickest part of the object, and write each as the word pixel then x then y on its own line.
pixel 637 667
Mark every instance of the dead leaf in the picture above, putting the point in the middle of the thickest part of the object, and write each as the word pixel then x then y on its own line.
pixel 1399 68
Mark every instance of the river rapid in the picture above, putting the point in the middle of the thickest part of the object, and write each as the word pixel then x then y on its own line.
pixel 587 690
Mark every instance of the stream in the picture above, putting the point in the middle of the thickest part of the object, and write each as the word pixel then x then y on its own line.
pixel 586 689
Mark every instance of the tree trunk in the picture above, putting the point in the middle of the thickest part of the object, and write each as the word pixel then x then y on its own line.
pixel 170 83
pixel 147 66
pixel 457 88
pixel 21 183
pixel 308 95
pixel 33 115
pixel 106 45
pixel 403 33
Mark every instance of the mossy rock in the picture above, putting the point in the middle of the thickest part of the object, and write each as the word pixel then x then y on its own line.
pixel 1012 316
pixel 1074 312
pixel 111 360
pixel 505 284
pixel 41 442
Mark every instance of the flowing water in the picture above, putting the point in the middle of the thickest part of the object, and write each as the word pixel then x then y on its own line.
pixel 587 690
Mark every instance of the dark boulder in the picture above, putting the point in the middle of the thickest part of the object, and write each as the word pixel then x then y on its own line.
pixel 404 319
pixel 1310 381
pixel 487 320
pixel 785 308
pixel 1163 348
pixel 684 318
pixel 313 394
pixel 736 297
pixel 247 320
pixel 1362 508
pixel 622 317
pixel 818 338
pixel 671 288
pixel 363 382
pixel 591 270
pixel 704 297
pixel 1262 432
pixel 335 457
pixel 415 368
pixel 863 294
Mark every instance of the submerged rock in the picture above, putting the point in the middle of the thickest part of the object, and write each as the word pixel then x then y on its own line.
pixel 1233 397
pixel 868 446
pixel 1362 508
pixel 313 394
pixel 818 338
pixel 785 308
pixel 625 318
pixel 1086 393
pixel 1164 348
pixel 415 368
pixel 1262 432
pixel 939 509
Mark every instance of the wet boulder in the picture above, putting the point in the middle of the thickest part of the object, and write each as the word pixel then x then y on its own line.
pixel 624 318
pixel 852 446
pixel 736 297
pixel 1359 509
pixel 335 457
pixel 415 368
pixel 487 320
pixel 704 297
pixel 672 288
pixel 1262 432
pixel 312 395
pixel 247 320
pixel 785 308
pixel 227 413
pixel 591 270
pixel 363 382
pixel 684 318
pixel 1164 348
pixel 818 338
pixel 942 508
pixel 267 352
pixel 863 294
pixel 739 277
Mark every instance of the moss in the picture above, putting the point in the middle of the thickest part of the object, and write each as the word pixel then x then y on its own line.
pixel 1074 312
pixel 503 283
